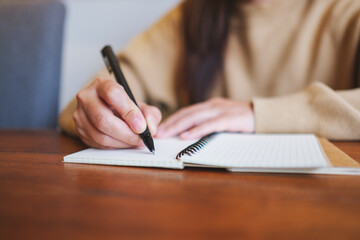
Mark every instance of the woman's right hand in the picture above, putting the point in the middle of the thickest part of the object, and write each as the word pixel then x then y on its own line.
pixel 105 117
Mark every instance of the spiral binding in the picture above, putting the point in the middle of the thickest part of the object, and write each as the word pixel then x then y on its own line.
pixel 195 147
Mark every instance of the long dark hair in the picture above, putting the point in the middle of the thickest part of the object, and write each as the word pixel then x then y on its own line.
pixel 205 30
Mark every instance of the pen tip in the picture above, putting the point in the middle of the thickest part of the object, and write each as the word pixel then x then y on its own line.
pixel 148 141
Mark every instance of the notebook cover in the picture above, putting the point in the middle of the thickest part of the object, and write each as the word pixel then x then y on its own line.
pixel 337 157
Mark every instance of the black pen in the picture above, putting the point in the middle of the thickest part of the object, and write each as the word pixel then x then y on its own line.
pixel 113 66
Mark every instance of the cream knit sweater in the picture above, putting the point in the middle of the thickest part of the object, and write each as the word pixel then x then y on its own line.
pixel 294 59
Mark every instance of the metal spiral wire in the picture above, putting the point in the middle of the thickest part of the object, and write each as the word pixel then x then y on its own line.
pixel 195 147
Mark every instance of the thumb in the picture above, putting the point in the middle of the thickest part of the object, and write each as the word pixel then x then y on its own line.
pixel 152 116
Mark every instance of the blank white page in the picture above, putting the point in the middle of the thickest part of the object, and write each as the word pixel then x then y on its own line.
pixel 165 155
pixel 261 151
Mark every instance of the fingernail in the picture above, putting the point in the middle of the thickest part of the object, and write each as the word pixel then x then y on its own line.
pixel 137 125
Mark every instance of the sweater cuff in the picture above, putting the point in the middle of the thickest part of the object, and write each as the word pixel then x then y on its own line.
pixel 284 114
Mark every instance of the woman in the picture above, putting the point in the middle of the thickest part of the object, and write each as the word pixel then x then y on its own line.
pixel 244 66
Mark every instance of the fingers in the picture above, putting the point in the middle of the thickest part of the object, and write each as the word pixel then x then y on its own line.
pixel 218 124
pixel 99 117
pixel 114 95
pixel 187 118
pixel 231 122
pixel 102 118
pixel 107 118
pixel 228 122
pixel 152 116
pixel 214 115
pixel 92 136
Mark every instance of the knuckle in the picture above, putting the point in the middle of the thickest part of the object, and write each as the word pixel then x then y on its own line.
pixel 80 97
pixel 98 81
pixel 75 117
pixel 112 90
pixel 130 114
pixel 151 108
pixel 155 111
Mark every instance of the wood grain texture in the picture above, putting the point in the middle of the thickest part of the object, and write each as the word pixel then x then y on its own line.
pixel 351 148
pixel 43 198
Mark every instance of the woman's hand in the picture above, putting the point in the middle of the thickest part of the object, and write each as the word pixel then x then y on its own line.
pixel 214 115
pixel 106 117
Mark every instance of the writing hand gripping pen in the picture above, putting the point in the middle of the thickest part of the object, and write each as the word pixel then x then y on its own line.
pixel 113 66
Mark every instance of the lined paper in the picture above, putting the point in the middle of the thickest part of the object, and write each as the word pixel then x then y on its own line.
pixel 226 150
pixel 261 151
pixel 165 157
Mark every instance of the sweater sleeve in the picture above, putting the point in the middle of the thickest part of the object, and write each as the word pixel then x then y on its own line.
pixel 149 61
pixel 317 109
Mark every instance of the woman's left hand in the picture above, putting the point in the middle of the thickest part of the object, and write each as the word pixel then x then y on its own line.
pixel 214 115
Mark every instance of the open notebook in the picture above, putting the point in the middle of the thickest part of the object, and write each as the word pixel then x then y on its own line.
pixel 236 152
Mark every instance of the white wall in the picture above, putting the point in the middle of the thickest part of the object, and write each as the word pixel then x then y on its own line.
pixel 91 24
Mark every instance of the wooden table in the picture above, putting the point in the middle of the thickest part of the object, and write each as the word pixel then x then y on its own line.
pixel 43 198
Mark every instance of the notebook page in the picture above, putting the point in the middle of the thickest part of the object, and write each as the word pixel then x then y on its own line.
pixel 326 170
pixel 261 151
pixel 165 155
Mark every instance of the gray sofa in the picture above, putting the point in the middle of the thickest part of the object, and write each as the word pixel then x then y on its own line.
pixel 31 37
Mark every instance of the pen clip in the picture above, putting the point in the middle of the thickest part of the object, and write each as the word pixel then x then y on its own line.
pixel 107 64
